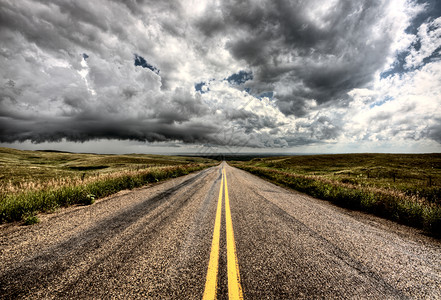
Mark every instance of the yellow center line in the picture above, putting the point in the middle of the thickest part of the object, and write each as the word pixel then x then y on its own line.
pixel 234 286
pixel 211 282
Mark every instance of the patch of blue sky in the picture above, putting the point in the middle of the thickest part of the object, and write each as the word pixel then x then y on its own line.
pixel 435 56
pixel 398 65
pixel 400 62
pixel 240 78
pixel 199 87
pixel 141 62
pixel 381 102
pixel 431 12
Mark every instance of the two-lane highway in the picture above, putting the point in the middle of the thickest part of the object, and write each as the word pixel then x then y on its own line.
pixel 219 233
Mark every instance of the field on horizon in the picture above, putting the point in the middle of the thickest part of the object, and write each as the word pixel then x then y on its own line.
pixel 402 187
pixel 41 181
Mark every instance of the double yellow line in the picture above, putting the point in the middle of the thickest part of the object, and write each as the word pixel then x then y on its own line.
pixel 234 287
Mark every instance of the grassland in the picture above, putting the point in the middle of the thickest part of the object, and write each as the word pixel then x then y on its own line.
pixel 41 181
pixel 401 187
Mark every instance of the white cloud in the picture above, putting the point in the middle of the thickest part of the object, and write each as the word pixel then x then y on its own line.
pixel 429 38
pixel 400 107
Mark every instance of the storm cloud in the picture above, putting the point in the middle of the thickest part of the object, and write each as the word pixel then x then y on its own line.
pixel 305 50
pixel 270 74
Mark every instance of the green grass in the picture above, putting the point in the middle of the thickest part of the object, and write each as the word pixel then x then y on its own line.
pixel 31 219
pixel 32 182
pixel 404 188
pixel 39 166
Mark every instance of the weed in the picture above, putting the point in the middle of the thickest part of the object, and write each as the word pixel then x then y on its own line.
pixel 31 219
pixel 90 199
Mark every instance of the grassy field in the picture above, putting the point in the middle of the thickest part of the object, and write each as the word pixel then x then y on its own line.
pixel 402 187
pixel 41 181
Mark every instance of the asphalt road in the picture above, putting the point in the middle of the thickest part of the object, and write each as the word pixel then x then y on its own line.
pixel 157 242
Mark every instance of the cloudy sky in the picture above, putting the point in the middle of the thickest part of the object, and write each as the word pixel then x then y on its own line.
pixel 299 76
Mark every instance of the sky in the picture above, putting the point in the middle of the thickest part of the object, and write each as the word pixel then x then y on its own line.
pixel 270 76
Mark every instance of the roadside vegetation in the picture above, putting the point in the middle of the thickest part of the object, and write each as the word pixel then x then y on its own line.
pixel 32 182
pixel 402 187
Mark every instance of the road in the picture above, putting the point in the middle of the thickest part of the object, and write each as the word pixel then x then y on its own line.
pixel 161 242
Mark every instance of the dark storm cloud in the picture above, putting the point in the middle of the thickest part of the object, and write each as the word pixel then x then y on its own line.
pixel 169 120
pixel 435 131
pixel 55 130
pixel 257 123
pixel 319 129
pixel 76 65
pixel 251 122
pixel 303 57
pixel 56 27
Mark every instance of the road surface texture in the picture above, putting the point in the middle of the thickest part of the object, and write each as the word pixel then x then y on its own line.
pixel 157 242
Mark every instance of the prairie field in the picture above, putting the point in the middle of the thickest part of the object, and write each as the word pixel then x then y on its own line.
pixel 402 187
pixel 41 181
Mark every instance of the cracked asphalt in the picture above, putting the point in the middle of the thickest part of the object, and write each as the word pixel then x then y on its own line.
pixel 155 242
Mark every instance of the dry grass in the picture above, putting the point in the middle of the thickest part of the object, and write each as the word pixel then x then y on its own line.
pixel 406 189
pixel 33 182
pixel 81 179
